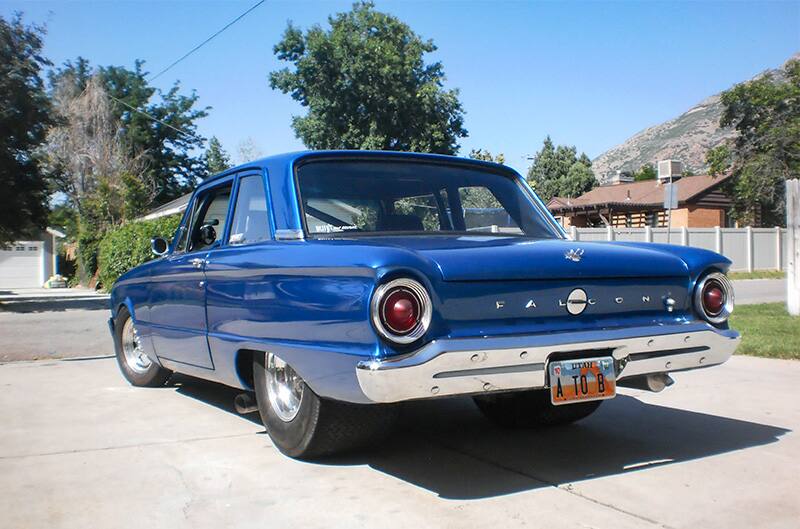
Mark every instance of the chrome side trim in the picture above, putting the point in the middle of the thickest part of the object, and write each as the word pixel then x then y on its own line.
pixel 289 235
pixel 479 365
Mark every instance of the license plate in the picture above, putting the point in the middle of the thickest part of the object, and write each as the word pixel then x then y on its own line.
pixel 582 380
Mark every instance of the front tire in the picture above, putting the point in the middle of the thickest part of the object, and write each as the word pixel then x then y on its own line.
pixel 135 365
pixel 305 426
pixel 532 409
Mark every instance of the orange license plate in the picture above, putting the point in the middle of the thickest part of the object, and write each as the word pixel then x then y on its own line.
pixel 582 380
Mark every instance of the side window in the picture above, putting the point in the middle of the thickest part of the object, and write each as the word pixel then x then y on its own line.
pixel 208 223
pixel 250 212
pixel 181 235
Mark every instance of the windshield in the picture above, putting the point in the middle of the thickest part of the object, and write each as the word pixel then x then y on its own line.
pixel 407 197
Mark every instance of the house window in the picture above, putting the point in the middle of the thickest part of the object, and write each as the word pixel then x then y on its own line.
pixel 656 219
pixel 32 248
pixel 20 248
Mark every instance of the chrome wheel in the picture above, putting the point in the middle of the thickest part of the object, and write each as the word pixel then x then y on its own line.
pixel 284 388
pixel 135 358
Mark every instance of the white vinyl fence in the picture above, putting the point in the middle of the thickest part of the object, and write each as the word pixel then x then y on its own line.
pixel 749 248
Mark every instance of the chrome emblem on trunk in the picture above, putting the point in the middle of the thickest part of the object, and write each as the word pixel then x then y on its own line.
pixel 577 301
pixel 574 255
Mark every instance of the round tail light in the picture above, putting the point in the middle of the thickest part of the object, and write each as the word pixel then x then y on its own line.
pixel 401 310
pixel 714 297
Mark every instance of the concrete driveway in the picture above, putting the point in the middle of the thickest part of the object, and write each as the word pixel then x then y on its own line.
pixel 80 448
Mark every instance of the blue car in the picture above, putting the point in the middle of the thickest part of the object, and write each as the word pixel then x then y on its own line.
pixel 331 286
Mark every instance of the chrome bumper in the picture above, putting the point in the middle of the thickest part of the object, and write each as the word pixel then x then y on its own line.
pixel 480 365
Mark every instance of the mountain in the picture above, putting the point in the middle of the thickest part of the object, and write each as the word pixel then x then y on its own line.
pixel 685 138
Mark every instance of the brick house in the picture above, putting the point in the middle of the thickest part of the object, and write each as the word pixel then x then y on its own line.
pixel 623 203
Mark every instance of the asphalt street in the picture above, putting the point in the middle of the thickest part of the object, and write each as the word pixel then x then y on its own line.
pixel 80 448
pixel 54 328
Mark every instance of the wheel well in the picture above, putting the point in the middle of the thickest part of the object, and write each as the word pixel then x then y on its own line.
pixel 244 366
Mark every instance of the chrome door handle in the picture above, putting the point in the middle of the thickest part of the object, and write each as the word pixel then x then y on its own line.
pixel 197 262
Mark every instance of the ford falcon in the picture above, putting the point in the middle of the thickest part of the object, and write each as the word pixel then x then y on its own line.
pixel 330 286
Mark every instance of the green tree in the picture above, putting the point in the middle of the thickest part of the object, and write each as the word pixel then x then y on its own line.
pixel 645 172
pixel 579 180
pixel 559 171
pixel 217 160
pixel 168 145
pixel 480 197
pixel 24 117
pixel 367 86
pixel 766 152
pixel 486 156
pixel 90 165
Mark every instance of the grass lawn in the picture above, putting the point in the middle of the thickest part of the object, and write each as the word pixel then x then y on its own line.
pixel 759 274
pixel 767 330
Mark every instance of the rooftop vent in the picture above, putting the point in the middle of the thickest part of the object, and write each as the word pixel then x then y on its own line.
pixel 669 170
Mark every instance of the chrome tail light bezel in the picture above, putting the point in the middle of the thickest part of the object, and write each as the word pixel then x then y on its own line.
pixel 725 284
pixel 426 310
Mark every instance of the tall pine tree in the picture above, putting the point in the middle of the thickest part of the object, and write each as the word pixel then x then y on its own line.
pixel 559 171
pixel 24 117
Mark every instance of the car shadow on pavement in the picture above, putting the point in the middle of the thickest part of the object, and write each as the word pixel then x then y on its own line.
pixel 216 395
pixel 449 448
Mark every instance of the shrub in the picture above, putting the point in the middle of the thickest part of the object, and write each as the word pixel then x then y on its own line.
pixel 129 245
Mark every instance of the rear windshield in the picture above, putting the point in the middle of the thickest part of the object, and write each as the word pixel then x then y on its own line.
pixel 389 197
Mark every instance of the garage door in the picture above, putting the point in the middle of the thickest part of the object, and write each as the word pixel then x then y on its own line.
pixel 20 265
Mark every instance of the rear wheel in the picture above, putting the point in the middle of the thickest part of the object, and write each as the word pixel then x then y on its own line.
pixel 135 365
pixel 303 425
pixel 532 409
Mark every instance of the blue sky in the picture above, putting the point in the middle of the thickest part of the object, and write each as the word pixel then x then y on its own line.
pixel 588 73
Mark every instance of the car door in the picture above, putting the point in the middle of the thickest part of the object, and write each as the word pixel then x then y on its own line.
pixel 239 292
pixel 178 285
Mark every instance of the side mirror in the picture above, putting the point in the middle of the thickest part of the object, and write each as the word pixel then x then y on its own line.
pixel 159 246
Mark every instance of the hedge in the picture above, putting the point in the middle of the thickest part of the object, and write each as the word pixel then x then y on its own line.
pixel 128 246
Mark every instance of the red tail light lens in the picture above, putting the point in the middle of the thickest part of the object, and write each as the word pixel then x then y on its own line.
pixel 713 298
pixel 401 310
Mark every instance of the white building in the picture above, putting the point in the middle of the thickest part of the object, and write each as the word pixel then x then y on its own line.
pixel 29 264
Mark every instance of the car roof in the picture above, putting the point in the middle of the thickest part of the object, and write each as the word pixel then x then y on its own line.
pixel 287 160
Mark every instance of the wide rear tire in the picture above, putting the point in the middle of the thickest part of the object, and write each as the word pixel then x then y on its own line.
pixel 532 409
pixel 303 425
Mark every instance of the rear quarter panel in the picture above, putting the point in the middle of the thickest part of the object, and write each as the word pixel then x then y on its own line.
pixel 306 301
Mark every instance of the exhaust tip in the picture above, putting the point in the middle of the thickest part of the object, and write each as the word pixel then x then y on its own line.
pixel 245 403
pixel 655 382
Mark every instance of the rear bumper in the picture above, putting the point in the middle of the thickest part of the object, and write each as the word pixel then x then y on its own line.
pixel 481 365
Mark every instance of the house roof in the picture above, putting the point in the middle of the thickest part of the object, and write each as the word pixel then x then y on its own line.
pixel 55 232
pixel 170 208
pixel 645 194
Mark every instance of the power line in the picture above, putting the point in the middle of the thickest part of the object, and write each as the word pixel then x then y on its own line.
pixel 209 39
pixel 193 136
